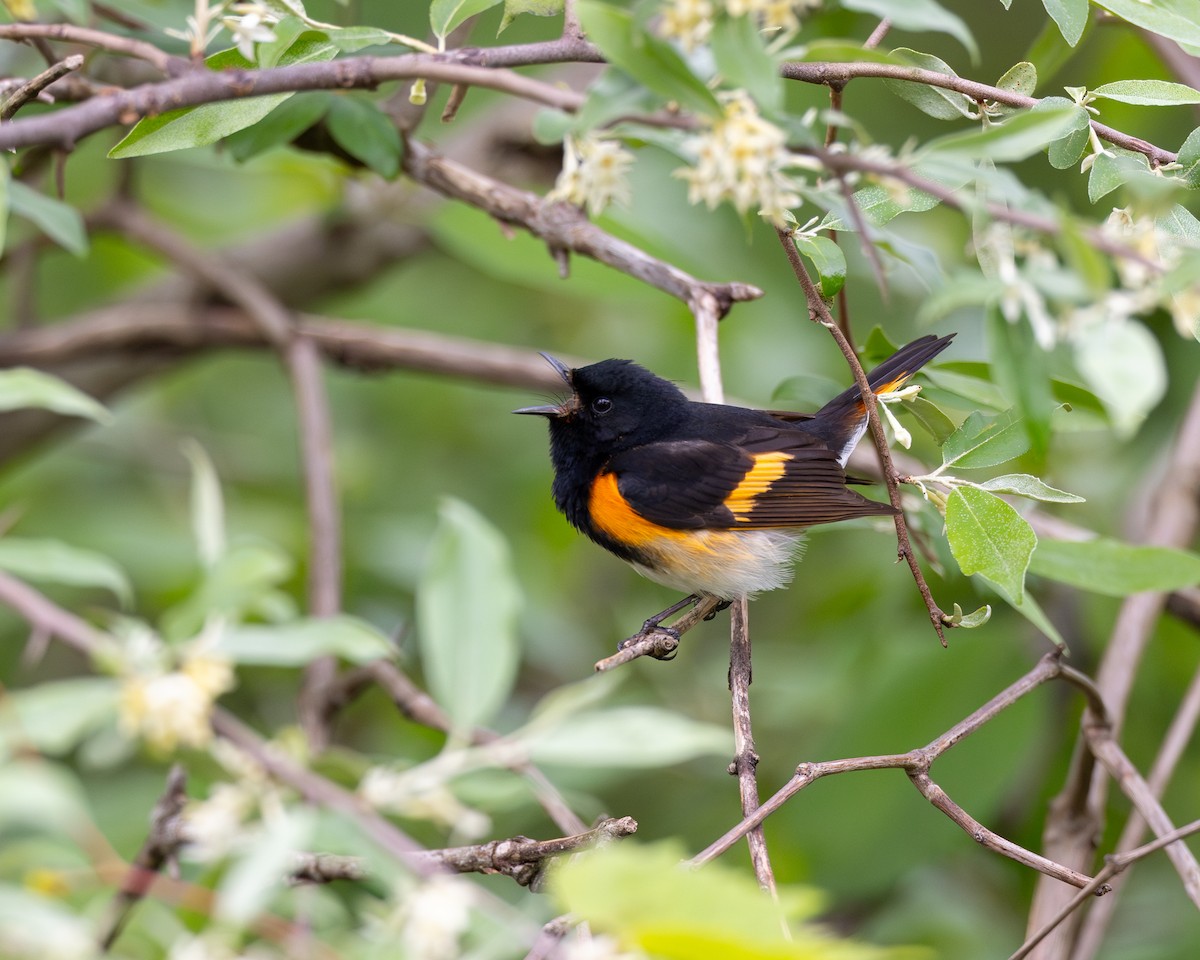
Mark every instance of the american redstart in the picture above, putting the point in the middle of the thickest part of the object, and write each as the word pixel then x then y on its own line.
pixel 708 498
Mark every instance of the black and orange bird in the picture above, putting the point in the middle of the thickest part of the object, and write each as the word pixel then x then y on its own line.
pixel 708 498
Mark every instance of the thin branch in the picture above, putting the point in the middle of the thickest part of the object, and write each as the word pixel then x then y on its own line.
pixel 843 162
pixel 322 868
pixel 916 763
pixel 840 74
pixel 165 837
pixel 1170 752
pixel 30 89
pixel 660 644
pixel 819 312
pixel 1114 865
pixel 523 859
pixel 66 127
pixel 745 757
pixel 564 228
pixel 1076 813
pixel 314 422
pixel 113 43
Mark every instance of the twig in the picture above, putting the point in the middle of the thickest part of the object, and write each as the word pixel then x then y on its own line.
pixel 659 644
pixel 1076 812
pixel 416 704
pixel 113 43
pixel 321 868
pixel 745 757
pixel 842 73
pixel 165 837
pixel 819 312
pixel 842 163
pixel 1179 733
pixel 564 228
pixel 312 412
pixel 916 763
pixel 1114 864
pixel 523 859
pixel 31 88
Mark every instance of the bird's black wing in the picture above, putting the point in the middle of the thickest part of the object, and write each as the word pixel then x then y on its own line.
pixel 774 476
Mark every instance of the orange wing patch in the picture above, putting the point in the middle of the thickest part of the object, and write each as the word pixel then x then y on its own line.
pixel 612 515
pixel 768 467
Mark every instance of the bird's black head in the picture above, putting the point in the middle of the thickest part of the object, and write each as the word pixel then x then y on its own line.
pixel 614 405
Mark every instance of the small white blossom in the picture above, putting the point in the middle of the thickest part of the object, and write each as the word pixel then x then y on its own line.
pixel 597 947
pixel 166 707
pixel 688 21
pixel 593 173
pixel 436 915
pixel 247 31
pixel 741 158
pixel 782 15
pixel 412 794
pixel 213 825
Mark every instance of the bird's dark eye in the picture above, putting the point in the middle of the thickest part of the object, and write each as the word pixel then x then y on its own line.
pixel 601 405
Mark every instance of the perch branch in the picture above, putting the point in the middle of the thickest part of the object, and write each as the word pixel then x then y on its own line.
pixel 34 86
pixel 917 763
pixel 819 312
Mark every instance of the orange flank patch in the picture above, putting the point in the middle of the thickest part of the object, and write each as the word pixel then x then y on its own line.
pixel 894 384
pixel 612 515
pixel 768 467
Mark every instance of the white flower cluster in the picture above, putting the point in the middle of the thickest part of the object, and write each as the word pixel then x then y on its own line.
pixel 422 793
pixel 169 704
pixel 593 173
pixel 690 22
pixel 741 158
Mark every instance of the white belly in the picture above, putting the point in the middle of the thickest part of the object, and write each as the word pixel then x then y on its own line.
pixel 726 563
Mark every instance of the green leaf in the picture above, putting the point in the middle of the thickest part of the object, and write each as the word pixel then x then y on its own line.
pixel 1018 137
pixel 207 504
pixel 743 60
pixel 1020 369
pixel 1177 20
pixel 1189 159
pixel 56 715
pixel 281 126
pixel 353 39
pixel 1032 611
pixel 22 387
pixel 241 582
pixel 625 738
pixel 918 16
pixel 1148 93
pixel 41 794
pixel 1114 568
pixel 828 260
pixel 1026 485
pixel 984 441
pixel 51 561
pixel 1071 16
pixel 990 539
pixel 249 885
pixel 1123 365
pixel 1067 150
pixel 971 382
pixel 645 57
pixel 210 122
pixel 1110 171
pixel 536 8
pixel 969 621
pixel 930 416
pixel 60 221
pixel 467 605
pixel 445 15
pixel 299 642
pixel 937 102
pixel 718 911
pixel 365 133
pixel 1019 78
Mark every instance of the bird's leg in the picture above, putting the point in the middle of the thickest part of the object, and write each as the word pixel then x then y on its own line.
pixel 653 623
pixel 723 605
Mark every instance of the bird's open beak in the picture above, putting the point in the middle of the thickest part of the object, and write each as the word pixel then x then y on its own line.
pixel 558 410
